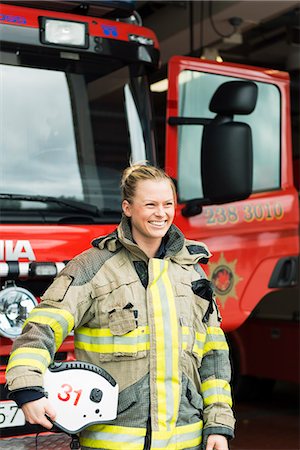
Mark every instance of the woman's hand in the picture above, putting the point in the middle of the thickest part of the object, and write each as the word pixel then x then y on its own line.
pixel 35 411
pixel 216 442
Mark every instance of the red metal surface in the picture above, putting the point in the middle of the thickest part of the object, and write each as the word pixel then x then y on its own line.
pixel 271 347
pixel 29 17
pixel 250 236
pixel 55 243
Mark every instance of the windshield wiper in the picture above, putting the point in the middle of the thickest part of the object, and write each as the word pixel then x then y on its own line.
pixel 75 204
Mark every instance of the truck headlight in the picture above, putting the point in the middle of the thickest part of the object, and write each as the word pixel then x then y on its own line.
pixel 65 33
pixel 15 305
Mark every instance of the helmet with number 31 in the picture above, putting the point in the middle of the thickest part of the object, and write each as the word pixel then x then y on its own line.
pixel 81 393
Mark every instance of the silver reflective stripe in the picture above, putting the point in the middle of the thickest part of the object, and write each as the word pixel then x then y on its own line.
pixel 103 341
pixel 165 349
pixel 183 437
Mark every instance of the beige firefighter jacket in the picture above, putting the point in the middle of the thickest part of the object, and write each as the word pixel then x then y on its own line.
pixel 153 325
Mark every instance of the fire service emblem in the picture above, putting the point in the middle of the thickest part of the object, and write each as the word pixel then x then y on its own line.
pixel 224 278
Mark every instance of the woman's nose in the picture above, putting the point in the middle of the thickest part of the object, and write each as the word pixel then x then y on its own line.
pixel 160 211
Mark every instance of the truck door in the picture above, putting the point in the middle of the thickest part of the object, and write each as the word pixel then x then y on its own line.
pixel 254 241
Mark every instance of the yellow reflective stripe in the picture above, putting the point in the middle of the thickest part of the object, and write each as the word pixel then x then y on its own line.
pixel 215 346
pixel 110 445
pixel 217 398
pixel 59 320
pixel 26 356
pixel 216 391
pixel 198 350
pixel 180 438
pixel 167 346
pixel 186 336
pixel 112 437
pixel 113 348
pixel 27 362
pixel 215 340
pixel 160 346
pixel 209 384
pixel 103 341
pixel 114 429
pixel 200 336
pixel 185 330
pixel 215 330
pixel 105 332
pixel 175 346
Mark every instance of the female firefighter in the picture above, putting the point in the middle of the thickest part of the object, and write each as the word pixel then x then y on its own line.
pixel 142 309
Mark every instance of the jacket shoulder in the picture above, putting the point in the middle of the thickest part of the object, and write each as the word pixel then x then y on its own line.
pixel 83 267
pixel 198 248
pixel 193 252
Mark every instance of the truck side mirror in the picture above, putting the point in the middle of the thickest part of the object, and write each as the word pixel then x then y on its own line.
pixel 226 153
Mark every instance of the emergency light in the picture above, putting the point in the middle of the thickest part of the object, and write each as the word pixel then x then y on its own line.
pixel 65 33
pixel 81 393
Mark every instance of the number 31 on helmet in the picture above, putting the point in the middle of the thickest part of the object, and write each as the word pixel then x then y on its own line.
pixel 81 393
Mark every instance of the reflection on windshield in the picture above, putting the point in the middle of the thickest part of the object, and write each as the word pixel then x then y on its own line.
pixel 38 147
pixel 63 136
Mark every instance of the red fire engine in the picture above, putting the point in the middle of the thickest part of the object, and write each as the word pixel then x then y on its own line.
pixel 76 108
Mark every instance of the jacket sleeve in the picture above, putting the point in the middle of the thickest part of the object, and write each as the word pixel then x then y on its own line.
pixel 64 305
pixel 215 376
pixel 215 369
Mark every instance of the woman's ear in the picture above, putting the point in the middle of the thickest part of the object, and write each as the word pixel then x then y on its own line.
pixel 126 207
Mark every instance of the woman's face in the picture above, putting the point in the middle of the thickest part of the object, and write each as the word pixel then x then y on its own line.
pixel 151 210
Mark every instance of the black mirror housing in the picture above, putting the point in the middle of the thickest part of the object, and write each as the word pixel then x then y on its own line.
pixel 226 153
pixel 227 165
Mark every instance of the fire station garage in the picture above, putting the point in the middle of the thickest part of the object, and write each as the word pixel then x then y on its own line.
pixel 86 87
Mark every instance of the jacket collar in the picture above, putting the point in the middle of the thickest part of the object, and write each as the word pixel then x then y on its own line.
pixel 177 248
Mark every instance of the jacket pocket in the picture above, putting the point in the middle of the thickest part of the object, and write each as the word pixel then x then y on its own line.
pixel 121 298
pixel 185 310
pixel 134 404
pixel 127 398
pixel 184 300
pixel 107 346
pixel 194 397
pixel 119 327
pixel 123 320
pixel 58 289
pixel 191 405
pixel 128 338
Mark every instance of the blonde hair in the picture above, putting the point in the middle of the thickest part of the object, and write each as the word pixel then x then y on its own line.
pixel 140 172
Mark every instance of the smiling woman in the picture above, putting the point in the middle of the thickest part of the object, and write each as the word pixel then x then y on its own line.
pixel 150 204
pixel 141 308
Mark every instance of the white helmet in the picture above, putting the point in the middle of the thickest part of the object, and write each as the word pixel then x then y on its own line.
pixel 81 393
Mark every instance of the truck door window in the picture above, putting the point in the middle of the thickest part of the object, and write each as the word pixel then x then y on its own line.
pixel 195 92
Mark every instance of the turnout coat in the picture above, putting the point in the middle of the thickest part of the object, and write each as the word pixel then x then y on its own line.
pixel 153 325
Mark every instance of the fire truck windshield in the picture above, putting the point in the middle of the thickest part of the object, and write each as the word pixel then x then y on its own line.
pixel 67 136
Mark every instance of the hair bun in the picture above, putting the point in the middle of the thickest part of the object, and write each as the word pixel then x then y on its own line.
pixel 141 171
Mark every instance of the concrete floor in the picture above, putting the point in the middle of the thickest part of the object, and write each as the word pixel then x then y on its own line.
pixel 272 423
pixel 262 424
